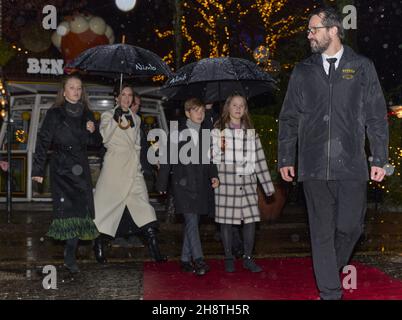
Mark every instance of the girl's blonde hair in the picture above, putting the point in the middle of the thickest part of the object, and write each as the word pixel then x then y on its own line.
pixel 225 117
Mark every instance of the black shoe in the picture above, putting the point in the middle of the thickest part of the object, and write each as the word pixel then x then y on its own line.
pixel 186 266
pixel 200 267
pixel 153 245
pixel 229 265
pixel 99 250
pixel 249 264
pixel 72 268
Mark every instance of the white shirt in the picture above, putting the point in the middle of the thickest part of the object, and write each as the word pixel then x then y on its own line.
pixel 338 57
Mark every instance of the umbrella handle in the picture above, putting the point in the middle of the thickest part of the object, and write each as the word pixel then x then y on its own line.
pixel 124 127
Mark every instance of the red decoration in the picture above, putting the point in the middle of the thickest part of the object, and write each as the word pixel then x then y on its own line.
pixel 79 32
pixel 72 44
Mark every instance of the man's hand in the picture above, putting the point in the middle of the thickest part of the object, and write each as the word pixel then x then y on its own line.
pixel 287 173
pixel 38 179
pixel 4 165
pixel 377 174
pixel 215 182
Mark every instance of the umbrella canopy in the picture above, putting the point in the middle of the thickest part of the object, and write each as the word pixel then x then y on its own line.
pixel 214 79
pixel 118 59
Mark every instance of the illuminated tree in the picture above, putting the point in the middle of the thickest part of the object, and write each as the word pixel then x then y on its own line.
pixel 209 28
pixel 204 28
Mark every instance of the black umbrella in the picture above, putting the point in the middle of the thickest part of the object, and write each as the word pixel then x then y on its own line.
pixel 214 79
pixel 117 59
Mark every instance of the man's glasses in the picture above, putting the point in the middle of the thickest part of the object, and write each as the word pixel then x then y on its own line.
pixel 313 30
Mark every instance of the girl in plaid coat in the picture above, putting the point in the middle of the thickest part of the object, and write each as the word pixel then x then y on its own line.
pixel 240 159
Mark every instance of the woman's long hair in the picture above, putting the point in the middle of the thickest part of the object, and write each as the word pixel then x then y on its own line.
pixel 60 99
pixel 117 91
pixel 225 117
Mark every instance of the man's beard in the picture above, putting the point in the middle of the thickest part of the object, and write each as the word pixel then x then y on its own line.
pixel 320 47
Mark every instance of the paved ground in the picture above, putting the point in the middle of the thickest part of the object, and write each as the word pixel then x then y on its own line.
pixel 24 251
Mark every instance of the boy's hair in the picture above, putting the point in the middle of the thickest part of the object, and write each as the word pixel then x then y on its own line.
pixel 193 103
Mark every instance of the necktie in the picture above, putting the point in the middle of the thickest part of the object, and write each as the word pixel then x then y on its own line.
pixel 331 62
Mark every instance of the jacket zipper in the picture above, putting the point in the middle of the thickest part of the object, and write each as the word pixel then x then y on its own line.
pixel 329 128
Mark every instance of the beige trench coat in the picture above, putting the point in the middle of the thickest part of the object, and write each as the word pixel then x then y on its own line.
pixel 121 182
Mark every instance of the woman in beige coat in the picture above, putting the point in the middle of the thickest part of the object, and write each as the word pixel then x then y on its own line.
pixel 121 184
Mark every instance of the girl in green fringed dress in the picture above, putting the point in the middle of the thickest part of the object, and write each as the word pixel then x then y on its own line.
pixel 68 128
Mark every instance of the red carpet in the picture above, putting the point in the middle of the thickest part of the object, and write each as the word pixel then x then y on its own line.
pixel 282 279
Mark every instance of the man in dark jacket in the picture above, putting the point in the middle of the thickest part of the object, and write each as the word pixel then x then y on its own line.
pixel 333 98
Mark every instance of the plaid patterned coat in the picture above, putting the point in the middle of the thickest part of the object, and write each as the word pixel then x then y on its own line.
pixel 236 198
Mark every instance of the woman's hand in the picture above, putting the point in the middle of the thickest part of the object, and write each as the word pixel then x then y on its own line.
pixel 38 179
pixel 215 182
pixel 118 112
pixel 90 126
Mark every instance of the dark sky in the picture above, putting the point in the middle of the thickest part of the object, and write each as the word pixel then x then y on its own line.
pixel 379 34
pixel 380 38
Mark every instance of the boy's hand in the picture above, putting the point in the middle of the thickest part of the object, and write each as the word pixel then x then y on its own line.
pixel 215 182
pixel 37 179
pixel 287 173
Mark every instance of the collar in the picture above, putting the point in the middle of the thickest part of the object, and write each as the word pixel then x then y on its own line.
pixel 337 55
pixel 316 58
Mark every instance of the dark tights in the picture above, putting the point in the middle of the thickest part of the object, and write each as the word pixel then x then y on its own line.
pixel 248 239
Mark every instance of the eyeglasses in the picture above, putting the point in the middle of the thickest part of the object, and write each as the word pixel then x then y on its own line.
pixel 313 30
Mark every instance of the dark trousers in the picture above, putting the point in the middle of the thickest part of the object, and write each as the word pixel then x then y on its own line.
pixel 191 240
pixel 336 211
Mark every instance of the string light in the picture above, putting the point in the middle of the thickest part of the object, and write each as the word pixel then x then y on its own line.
pixel 211 22
pixel 391 186
pixel 19 50
pixel 20 136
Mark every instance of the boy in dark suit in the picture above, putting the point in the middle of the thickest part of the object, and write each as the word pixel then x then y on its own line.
pixel 192 186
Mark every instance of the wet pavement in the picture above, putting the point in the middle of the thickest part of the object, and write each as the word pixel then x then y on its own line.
pixel 25 250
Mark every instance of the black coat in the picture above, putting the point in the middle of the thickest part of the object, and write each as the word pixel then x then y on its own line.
pixel 145 165
pixel 191 183
pixel 328 122
pixel 70 177
pixel 210 118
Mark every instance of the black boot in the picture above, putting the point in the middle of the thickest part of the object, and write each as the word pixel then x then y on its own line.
pixel 153 246
pixel 70 261
pixel 99 250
